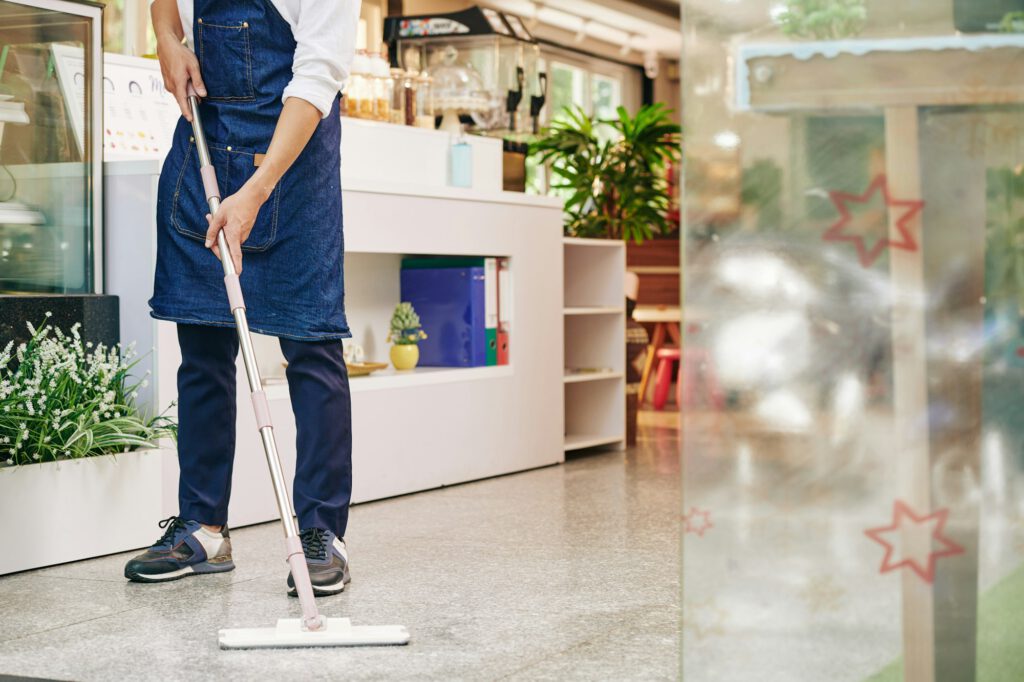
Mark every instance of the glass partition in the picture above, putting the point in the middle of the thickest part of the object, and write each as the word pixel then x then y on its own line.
pixel 50 142
pixel 854 341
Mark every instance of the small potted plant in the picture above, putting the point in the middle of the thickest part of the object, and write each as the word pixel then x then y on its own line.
pixel 406 332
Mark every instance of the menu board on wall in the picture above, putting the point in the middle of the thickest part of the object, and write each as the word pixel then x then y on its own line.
pixel 138 114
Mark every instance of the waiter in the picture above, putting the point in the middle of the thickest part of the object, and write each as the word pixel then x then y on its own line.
pixel 269 74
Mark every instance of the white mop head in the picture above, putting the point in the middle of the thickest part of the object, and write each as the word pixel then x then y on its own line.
pixel 290 633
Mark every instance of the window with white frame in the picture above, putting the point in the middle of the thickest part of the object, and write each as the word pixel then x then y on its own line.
pixel 597 85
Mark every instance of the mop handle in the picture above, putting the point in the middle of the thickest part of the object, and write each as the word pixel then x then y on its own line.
pixel 296 559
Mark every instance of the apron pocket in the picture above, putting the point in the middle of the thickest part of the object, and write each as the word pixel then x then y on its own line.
pixel 225 60
pixel 241 166
pixel 234 168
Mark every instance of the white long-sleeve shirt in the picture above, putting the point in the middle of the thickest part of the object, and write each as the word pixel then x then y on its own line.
pixel 325 36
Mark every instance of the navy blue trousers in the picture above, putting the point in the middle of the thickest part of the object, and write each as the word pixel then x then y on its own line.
pixel 318 385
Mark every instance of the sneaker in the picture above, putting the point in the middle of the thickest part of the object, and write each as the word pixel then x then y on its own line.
pixel 185 549
pixel 327 559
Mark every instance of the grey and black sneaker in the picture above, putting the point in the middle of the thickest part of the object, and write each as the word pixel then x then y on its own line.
pixel 327 559
pixel 185 549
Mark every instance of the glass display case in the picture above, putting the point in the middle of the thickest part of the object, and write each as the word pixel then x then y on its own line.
pixel 494 44
pixel 50 147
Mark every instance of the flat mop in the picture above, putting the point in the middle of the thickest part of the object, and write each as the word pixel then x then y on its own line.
pixel 312 629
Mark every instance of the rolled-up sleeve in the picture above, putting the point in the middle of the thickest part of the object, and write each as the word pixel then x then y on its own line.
pixel 325 36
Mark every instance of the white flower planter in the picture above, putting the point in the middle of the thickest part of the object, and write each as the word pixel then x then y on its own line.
pixel 57 512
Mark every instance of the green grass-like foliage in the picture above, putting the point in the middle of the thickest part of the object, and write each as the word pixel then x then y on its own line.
pixel 614 183
pixel 62 399
pixel 405 326
pixel 823 19
pixel 1013 22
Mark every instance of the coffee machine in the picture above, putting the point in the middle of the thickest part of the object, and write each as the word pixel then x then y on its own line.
pixel 496 45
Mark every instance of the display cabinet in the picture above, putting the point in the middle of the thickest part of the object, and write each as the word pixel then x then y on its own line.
pixel 51 176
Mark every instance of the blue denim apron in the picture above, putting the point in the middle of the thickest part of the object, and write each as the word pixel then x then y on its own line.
pixel 292 266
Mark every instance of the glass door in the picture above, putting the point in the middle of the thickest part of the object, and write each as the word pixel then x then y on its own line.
pixel 854 328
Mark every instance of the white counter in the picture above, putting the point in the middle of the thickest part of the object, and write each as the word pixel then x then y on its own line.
pixel 415 431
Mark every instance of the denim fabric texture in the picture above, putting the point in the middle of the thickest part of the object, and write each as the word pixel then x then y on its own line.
pixel 292 273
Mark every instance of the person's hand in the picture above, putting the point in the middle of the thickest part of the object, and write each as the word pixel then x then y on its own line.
pixel 179 65
pixel 235 217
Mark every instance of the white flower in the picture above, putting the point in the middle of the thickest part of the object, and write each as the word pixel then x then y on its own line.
pixel 10 461
pixel 49 314
pixel 35 456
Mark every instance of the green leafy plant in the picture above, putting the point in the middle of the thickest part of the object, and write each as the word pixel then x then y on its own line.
pixel 823 19
pixel 62 399
pixel 612 172
pixel 405 326
pixel 1013 22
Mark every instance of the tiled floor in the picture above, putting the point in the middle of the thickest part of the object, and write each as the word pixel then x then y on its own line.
pixel 569 572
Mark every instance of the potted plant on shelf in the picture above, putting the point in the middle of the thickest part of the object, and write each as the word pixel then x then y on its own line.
pixel 823 19
pixel 612 172
pixel 406 332
pixel 73 445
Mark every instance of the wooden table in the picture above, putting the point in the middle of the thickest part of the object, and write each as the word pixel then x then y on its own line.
pixel 666 321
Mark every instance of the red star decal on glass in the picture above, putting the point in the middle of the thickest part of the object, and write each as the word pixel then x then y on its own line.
pixel 838 232
pixel 904 517
pixel 697 521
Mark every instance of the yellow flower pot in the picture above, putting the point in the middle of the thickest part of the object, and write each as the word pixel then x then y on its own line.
pixel 405 356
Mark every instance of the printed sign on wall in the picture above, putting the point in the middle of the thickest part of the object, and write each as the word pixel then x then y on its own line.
pixel 139 116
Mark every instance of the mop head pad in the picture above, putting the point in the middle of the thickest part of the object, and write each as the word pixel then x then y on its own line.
pixel 289 633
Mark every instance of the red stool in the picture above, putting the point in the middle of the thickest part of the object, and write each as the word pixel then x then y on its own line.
pixel 667 357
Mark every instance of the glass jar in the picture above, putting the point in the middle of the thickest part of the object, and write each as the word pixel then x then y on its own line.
pixel 356 93
pixel 409 98
pixel 397 96
pixel 424 102
pixel 382 88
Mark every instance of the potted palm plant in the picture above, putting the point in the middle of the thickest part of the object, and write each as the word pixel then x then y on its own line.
pixel 612 173
pixel 405 333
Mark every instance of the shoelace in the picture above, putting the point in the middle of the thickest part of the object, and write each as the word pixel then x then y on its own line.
pixel 173 524
pixel 314 543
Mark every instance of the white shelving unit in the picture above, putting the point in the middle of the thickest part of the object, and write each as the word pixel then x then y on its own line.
pixel 595 333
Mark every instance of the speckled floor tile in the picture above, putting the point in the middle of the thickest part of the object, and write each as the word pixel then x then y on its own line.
pixel 496 579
